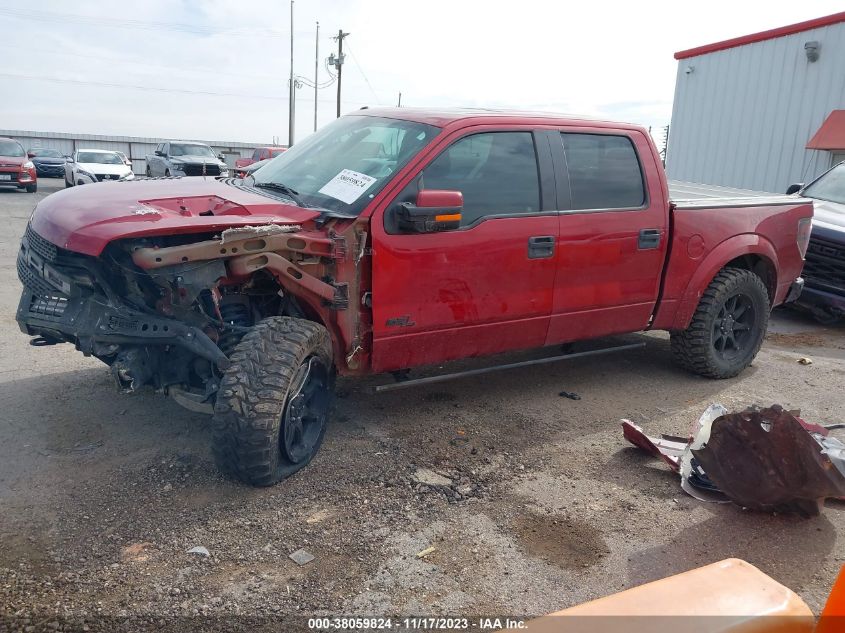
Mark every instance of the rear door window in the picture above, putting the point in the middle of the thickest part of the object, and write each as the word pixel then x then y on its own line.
pixel 496 172
pixel 604 172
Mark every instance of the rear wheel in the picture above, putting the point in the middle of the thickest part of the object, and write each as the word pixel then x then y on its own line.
pixel 167 173
pixel 149 172
pixel 271 409
pixel 728 326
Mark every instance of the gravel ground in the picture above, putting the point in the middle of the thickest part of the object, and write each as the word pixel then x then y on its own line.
pixel 532 502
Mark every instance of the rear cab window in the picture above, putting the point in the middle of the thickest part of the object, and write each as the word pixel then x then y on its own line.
pixel 604 172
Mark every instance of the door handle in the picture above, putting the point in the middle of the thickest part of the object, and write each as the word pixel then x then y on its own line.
pixel 649 239
pixel 541 247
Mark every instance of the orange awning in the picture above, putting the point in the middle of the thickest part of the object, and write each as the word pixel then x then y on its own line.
pixel 831 134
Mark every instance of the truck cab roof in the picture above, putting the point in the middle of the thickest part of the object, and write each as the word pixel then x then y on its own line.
pixel 441 117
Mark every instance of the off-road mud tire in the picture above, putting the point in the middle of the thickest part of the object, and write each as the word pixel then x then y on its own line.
pixel 694 349
pixel 253 396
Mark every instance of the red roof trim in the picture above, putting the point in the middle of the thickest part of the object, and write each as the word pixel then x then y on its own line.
pixel 831 135
pixel 762 36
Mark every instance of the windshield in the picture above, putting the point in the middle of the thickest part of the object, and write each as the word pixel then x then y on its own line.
pixel 11 148
pixel 344 165
pixel 51 153
pixel 191 150
pixel 830 186
pixel 102 158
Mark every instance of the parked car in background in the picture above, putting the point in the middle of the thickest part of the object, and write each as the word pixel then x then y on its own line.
pixel 87 166
pixel 243 172
pixel 260 153
pixel 16 169
pixel 824 268
pixel 49 162
pixel 185 158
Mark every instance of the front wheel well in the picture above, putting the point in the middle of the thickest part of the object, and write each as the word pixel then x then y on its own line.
pixel 761 266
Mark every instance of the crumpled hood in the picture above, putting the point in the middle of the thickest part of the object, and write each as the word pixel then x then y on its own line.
pixel 829 214
pixel 85 219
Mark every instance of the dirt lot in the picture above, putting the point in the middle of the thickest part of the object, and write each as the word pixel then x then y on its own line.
pixel 544 505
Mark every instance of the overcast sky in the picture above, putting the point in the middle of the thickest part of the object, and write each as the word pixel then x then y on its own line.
pixel 217 69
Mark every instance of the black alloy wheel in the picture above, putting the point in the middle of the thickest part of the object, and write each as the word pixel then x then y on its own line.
pixel 304 415
pixel 732 328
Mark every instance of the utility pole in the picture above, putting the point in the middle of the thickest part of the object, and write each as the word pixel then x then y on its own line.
pixel 316 71
pixel 292 95
pixel 399 105
pixel 338 63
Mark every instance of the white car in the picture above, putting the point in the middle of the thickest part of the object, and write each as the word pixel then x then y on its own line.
pixel 95 165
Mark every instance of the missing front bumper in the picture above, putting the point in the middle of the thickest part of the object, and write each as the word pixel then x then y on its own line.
pixel 94 324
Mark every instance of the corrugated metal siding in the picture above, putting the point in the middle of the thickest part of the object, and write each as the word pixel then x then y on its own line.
pixel 136 148
pixel 742 118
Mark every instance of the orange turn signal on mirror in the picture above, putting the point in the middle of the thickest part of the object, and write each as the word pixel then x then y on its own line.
pixel 453 217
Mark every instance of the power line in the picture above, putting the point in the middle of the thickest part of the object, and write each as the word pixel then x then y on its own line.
pixel 361 70
pixel 73 18
pixel 145 64
pixel 104 84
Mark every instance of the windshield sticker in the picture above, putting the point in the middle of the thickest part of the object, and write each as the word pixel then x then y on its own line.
pixel 347 186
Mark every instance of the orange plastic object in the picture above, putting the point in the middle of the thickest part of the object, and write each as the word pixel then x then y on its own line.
pixel 730 596
pixel 833 616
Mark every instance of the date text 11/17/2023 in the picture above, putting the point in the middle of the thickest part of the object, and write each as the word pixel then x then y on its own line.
pixel 414 624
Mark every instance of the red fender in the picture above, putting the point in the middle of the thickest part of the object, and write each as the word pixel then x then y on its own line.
pixel 737 246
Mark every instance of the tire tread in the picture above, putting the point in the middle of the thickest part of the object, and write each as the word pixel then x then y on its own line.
pixel 691 347
pixel 245 426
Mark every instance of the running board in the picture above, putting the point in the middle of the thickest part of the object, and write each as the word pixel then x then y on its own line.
pixel 428 380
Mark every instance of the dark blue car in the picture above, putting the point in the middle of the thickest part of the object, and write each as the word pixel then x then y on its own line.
pixel 49 163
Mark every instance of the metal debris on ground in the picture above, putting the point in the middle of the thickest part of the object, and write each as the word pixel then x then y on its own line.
pixel 762 459
pixel 805 361
pixel 426 552
pixel 301 557
pixel 200 550
pixel 569 394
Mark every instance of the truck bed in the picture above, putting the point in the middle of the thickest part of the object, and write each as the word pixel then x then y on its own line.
pixel 690 195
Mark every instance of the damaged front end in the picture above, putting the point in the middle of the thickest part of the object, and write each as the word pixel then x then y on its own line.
pixel 166 312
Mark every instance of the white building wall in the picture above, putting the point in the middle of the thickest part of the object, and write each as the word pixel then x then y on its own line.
pixel 743 116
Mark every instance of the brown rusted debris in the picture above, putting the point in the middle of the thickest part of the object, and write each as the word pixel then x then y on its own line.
pixel 766 460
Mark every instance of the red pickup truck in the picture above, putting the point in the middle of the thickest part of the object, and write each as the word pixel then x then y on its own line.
pixel 260 153
pixel 391 239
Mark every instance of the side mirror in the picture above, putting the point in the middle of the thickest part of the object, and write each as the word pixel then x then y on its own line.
pixel 220 158
pixel 30 154
pixel 69 159
pixel 435 210
pixel 158 152
pixel 794 188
